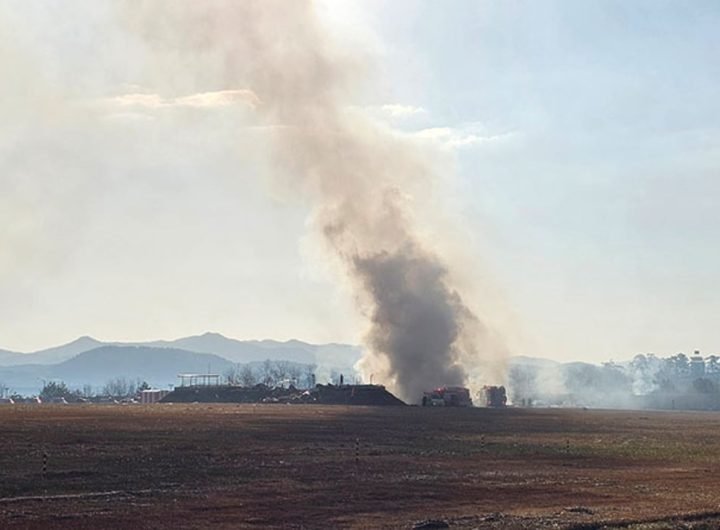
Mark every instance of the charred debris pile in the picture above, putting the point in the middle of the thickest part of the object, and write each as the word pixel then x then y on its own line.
pixel 374 395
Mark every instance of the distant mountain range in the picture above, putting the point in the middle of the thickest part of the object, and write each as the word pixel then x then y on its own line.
pixel 87 361
pixel 157 366
pixel 234 350
pixel 51 355
pixel 90 361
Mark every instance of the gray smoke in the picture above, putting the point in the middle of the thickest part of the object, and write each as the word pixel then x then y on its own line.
pixel 362 179
pixel 416 319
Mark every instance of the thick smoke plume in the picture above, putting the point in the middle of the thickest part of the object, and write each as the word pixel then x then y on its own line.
pixel 362 178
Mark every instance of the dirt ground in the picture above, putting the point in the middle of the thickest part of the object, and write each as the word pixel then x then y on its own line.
pixel 309 466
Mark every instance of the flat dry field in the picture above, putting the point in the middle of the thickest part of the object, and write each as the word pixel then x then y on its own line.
pixel 283 466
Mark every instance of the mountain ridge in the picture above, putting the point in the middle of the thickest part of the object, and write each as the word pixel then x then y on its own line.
pixel 235 350
pixel 157 366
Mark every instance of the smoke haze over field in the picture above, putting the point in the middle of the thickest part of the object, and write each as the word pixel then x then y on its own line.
pixel 360 178
pixel 536 177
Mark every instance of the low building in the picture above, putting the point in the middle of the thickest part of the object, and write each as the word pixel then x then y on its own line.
pixel 199 379
pixel 153 395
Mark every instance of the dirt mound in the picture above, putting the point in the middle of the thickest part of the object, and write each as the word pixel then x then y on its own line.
pixel 322 394
pixel 355 395
pixel 231 394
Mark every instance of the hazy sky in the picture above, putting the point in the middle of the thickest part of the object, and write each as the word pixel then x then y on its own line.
pixel 582 148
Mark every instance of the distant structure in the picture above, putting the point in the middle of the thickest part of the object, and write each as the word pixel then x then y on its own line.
pixel 152 395
pixel 697 365
pixel 199 379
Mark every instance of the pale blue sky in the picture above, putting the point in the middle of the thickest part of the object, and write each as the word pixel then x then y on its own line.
pixel 601 206
pixel 587 149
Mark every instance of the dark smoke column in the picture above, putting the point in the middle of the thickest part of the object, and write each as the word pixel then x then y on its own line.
pixel 415 321
pixel 363 179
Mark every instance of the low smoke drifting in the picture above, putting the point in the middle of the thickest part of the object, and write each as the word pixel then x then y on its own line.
pixel 360 177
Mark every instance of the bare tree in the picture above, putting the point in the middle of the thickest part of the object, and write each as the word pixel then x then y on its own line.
pixel 232 374
pixel 294 374
pixel 310 375
pixel 713 364
pixel 281 371
pixel 247 376
pixel 267 374
pixel 4 389
pixel 119 387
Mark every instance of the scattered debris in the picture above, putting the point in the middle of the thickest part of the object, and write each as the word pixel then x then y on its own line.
pixel 429 524
pixel 491 518
pixel 579 509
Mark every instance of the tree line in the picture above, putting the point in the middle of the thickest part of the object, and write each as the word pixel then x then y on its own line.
pixel 614 384
pixel 116 388
pixel 272 373
pixel 269 373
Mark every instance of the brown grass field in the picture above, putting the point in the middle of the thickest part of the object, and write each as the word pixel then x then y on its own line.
pixel 285 466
